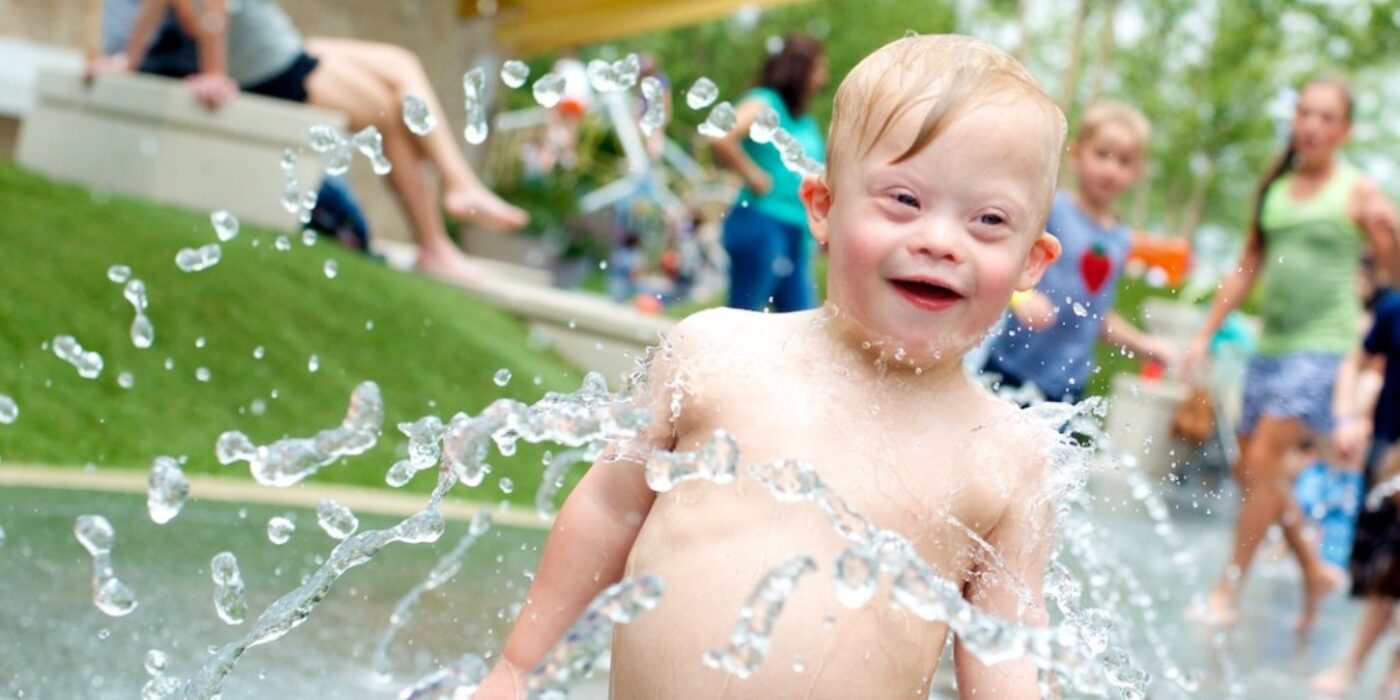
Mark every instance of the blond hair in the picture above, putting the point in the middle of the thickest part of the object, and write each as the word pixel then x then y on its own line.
pixel 1105 112
pixel 942 74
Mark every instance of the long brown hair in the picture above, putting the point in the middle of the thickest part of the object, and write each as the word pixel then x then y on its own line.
pixel 789 71
pixel 1285 162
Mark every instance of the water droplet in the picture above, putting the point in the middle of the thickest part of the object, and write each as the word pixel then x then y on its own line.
pixel 119 273
pixel 764 126
pixel 1079 310
pixel 291 196
pixel 330 269
pixel 166 490
pixel 290 460
pixel 126 380
pixel 507 485
pixel 308 237
pixel 474 84
pixel 109 594
pixel 309 199
pixel 155 661
pixel 338 161
pixel 502 377
pixel 313 363
pixel 548 90
pixel 257 407
pixel 88 364
pixel 721 121
pixel 289 160
pixel 371 144
pixel 225 224
pixel 135 293
pixel 202 374
pixel 9 410
pixel 143 333
pixel 325 139
pixel 259 352
pixel 477 128
pixel 230 598
pixel 196 259
pixel 282 244
pixel 514 74
pixel 280 529
pixel 702 94
pixel 655 116
pixel 336 520
pixel 416 115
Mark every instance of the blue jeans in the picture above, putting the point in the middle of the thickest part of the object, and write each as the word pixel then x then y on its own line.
pixel 768 261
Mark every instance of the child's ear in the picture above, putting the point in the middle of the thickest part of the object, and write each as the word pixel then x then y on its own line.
pixel 816 196
pixel 1044 252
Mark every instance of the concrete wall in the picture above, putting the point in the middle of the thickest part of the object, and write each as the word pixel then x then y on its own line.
pixel 446 45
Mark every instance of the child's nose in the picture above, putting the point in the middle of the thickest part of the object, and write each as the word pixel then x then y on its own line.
pixel 938 239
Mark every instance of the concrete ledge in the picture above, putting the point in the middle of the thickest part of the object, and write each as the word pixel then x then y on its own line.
pixel 147 137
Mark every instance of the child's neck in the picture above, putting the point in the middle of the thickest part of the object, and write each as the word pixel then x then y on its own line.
pixel 876 360
pixel 1101 212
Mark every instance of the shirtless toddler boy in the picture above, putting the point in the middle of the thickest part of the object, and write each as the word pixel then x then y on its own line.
pixel 942 162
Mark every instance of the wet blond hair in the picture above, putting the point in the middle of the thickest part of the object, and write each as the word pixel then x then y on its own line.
pixel 943 75
pixel 1105 112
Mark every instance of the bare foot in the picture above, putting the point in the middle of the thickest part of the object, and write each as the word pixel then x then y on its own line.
pixel 1315 588
pixel 449 265
pixel 1334 682
pixel 481 206
pixel 1217 610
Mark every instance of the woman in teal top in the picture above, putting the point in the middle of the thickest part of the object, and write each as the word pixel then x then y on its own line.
pixel 765 233
pixel 1313 216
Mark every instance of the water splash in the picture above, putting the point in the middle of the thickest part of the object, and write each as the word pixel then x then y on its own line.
pixel 587 641
pixel 294 608
pixel 166 490
pixel 9 410
pixel 501 377
pixel 225 225
pixel 721 121
pixel 416 116
pixel 197 259
pixel 474 89
pixel 764 126
pixel 718 462
pixel 749 643
pixel 330 269
pixel 701 94
pixel 548 90
pixel 446 568
pixel 615 76
pixel 109 594
pixel 514 73
pixel 160 686
pixel 329 142
pixel 119 273
pixel 230 599
pixel 655 116
pixel 457 680
pixel 290 460
pixel 370 144
pixel 88 363
pixel 143 332
pixel 337 520
pixel 424 449
pixel 556 466
pixel 857 575
pixel 280 529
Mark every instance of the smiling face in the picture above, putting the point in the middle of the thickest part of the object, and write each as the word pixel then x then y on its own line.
pixel 926 251
pixel 1107 163
pixel 1321 122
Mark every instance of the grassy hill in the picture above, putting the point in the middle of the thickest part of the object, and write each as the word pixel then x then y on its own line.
pixel 432 348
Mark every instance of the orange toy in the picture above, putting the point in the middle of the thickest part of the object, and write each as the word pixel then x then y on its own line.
pixel 1171 255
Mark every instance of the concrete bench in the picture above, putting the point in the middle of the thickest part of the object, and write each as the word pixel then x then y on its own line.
pixel 147 137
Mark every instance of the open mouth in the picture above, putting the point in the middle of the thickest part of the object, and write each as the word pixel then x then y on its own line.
pixel 926 295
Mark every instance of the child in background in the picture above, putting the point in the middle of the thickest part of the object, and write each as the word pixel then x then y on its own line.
pixel 869 391
pixel 1048 339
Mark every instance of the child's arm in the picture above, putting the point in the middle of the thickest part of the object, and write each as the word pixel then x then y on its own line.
pixel 586 552
pixel 1351 429
pixel 1012 590
pixel 1117 331
pixel 148 18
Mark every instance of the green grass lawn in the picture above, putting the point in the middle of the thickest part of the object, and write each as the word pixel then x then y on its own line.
pixel 432 348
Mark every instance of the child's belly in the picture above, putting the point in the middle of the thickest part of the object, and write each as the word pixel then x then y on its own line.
pixel 712 545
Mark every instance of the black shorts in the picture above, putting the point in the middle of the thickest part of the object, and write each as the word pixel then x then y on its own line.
pixel 290 84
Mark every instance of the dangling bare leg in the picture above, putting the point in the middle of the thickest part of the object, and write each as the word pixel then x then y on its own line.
pixel 464 197
pixel 367 101
pixel 1267 497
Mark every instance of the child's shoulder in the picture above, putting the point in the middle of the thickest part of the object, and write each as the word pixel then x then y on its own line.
pixel 731 328
pixel 1020 440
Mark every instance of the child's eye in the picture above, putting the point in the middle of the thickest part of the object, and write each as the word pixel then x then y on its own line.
pixel 991 219
pixel 907 199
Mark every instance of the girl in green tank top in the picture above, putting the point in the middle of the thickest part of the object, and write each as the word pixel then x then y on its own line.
pixel 1313 215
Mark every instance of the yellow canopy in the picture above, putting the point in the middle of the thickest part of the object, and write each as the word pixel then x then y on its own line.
pixel 526 27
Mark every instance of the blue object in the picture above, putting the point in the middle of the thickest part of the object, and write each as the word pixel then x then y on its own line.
pixel 768 258
pixel 1082 285
pixel 338 215
pixel 781 202
pixel 1330 498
